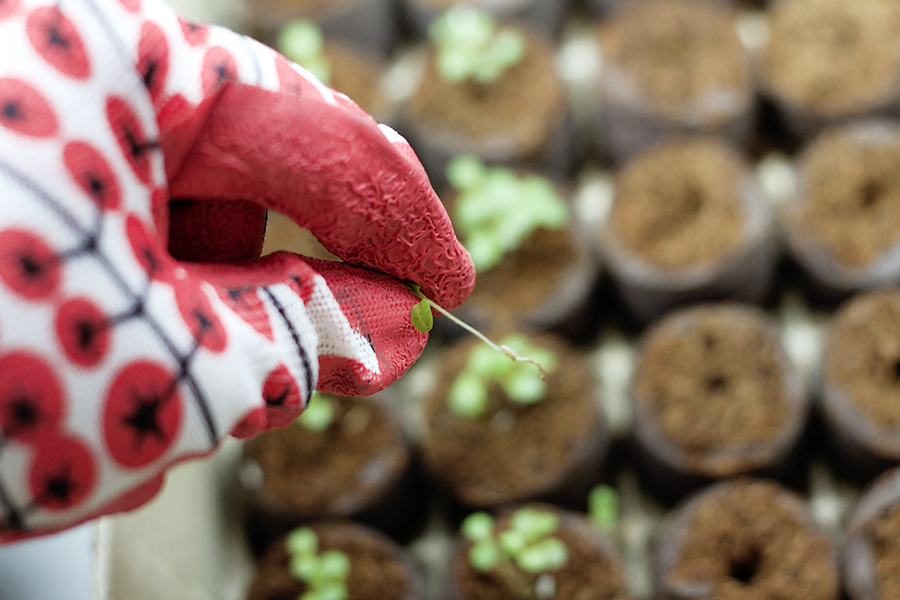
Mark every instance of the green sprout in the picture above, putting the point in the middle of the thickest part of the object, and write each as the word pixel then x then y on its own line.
pixel 525 548
pixel 468 394
pixel 324 573
pixel 496 210
pixel 603 507
pixel 302 42
pixel 470 46
pixel 319 413
pixel 422 320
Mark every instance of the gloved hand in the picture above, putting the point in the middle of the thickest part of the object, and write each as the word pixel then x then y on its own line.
pixel 116 359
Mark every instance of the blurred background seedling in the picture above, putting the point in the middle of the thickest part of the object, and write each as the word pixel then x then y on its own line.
pixel 302 42
pixel 324 573
pixel 522 383
pixel 497 210
pixel 524 554
pixel 319 413
pixel 470 46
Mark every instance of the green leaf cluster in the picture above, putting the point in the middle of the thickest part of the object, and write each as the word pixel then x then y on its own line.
pixel 470 46
pixel 319 413
pixel 603 507
pixel 325 574
pixel 302 42
pixel 527 543
pixel 520 381
pixel 496 210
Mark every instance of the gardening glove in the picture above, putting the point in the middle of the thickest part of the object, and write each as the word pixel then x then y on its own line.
pixel 116 358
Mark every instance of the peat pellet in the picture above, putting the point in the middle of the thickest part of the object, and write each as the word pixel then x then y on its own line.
pixel 861 383
pixel 688 223
pixel 715 396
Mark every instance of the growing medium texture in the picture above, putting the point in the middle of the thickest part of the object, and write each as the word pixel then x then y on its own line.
pixel 851 201
pixel 679 205
pixel 863 355
pixel 833 56
pixel 520 109
pixel 715 381
pixel 677 52
pixel 750 541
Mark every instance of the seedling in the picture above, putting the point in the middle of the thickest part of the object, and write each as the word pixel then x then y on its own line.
pixel 468 394
pixel 422 319
pixel 319 413
pixel 471 47
pixel 324 573
pixel 302 42
pixel 519 554
pixel 603 508
pixel 496 210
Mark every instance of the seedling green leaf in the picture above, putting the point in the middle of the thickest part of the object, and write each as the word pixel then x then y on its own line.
pixel 421 316
pixel 325 574
pixel 470 47
pixel 496 211
pixel 603 507
pixel 302 42
pixel 524 549
pixel 319 413
pixel 468 394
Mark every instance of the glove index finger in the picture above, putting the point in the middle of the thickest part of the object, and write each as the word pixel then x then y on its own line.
pixel 333 170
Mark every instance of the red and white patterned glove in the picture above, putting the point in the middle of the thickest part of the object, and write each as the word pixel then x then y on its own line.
pixel 116 360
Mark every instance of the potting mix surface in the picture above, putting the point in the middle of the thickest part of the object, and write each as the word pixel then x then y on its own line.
pixel 716 383
pixel 671 220
pixel 851 204
pixel 748 545
pixel 864 360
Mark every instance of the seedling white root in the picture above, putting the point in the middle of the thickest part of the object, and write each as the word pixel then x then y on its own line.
pixel 424 324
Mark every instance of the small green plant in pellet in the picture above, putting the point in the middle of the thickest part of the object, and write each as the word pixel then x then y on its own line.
pixel 603 508
pixel 324 573
pixel 496 210
pixel 470 46
pixel 523 554
pixel 522 384
pixel 319 413
pixel 302 42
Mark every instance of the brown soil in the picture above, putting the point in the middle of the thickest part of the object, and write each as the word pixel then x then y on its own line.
pixel 863 355
pixel 884 533
pixel 747 543
pixel 833 56
pixel 310 470
pixel 377 571
pixel 676 51
pixel 851 200
pixel 526 104
pixel 717 383
pixel 514 452
pixel 358 77
pixel 526 278
pixel 590 573
pixel 679 204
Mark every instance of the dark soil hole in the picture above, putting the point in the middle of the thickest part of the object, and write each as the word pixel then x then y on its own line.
pixel 745 570
pixel 716 384
pixel 709 342
pixel 897 371
pixel 871 193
